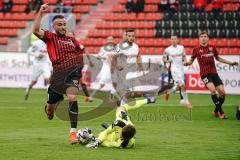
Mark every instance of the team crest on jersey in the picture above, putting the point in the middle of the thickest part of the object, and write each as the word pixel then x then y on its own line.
pixel 210 50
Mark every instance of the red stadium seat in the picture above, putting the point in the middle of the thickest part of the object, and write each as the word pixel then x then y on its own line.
pixel 149 25
pixel 150 16
pixel 50 1
pixel 213 41
pixel 140 25
pixel 224 51
pixel 141 16
pixel 123 1
pixel 151 50
pixel 195 42
pixel 149 42
pixel 223 42
pixel 91 33
pixel 141 42
pixel 235 51
pixel 78 16
pixel 234 42
pixel 20 1
pixel 143 50
pixel 90 49
pixel 159 42
pixel 158 16
pixel 208 8
pixel 188 51
pixel 186 42
pixel 150 33
pixel 3 40
pixel 166 42
pixel 98 42
pixel 159 50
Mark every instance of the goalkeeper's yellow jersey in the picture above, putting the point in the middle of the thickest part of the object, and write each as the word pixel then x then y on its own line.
pixel 111 136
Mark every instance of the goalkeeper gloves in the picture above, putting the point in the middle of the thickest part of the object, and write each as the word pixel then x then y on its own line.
pixel 94 144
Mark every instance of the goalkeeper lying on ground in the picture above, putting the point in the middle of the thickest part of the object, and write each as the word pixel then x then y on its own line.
pixel 121 132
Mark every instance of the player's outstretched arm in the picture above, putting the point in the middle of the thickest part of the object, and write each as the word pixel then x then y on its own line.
pixel 220 59
pixel 37 23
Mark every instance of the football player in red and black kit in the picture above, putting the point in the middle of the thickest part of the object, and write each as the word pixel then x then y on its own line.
pixel 67 61
pixel 205 55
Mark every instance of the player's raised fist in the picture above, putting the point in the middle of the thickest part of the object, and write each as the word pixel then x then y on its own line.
pixel 44 8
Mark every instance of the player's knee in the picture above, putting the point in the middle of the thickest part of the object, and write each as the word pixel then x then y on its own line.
pixel 183 87
pixel 34 82
pixel 72 97
pixel 213 91
pixel 222 93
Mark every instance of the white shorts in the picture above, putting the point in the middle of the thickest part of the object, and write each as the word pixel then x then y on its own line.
pixel 178 77
pixel 38 70
pixel 104 76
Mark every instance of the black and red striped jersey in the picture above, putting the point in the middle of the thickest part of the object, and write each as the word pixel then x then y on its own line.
pixel 205 57
pixel 64 51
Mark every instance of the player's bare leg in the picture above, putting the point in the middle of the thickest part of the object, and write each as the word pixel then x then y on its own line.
pixel 185 100
pixel 73 113
pixel 46 81
pixel 27 91
pixel 49 109
pixel 221 98
pixel 210 86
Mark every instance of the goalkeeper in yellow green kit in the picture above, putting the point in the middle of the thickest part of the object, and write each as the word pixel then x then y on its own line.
pixel 121 133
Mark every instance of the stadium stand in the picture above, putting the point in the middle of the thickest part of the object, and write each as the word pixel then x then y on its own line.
pixel 17 19
pixel 155 28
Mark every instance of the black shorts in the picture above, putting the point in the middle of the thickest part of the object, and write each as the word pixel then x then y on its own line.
pixel 54 97
pixel 61 81
pixel 213 78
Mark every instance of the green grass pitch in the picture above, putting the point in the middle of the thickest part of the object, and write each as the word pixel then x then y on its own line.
pixel 165 131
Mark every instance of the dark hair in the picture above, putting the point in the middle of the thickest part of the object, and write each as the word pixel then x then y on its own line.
pixel 59 16
pixel 128 132
pixel 203 32
pixel 129 30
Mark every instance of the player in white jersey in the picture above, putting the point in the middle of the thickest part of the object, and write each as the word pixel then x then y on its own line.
pixel 104 76
pixel 129 48
pixel 41 65
pixel 175 54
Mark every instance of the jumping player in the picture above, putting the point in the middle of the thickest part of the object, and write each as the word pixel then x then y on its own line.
pixel 67 61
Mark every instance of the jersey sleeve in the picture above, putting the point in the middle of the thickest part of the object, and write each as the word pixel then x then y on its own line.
pixel 183 51
pixel 47 36
pixel 101 53
pixel 194 54
pixel 215 51
pixel 103 135
pixel 165 52
pixel 137 50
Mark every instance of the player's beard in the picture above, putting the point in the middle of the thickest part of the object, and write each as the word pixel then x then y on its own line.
pixel 130 43
pixel 62 33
